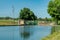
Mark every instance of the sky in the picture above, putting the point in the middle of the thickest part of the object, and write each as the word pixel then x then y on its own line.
pixel 39 7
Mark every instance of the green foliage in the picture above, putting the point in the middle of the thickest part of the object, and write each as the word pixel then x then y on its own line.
pixel 45 19
pixel 27 14
pixel 31 22
pixel 54 9
pixel 5 18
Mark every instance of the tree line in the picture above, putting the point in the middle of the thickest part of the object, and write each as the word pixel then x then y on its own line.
pixel 53 9
pixel 7 18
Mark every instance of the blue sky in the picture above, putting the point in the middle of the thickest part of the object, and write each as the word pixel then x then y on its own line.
pixel 39 7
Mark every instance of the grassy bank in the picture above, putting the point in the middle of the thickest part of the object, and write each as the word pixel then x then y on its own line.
pixel 8 22
pixel 15 22
pixel 54 36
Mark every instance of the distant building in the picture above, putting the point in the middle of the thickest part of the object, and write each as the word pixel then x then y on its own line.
pixel 21 22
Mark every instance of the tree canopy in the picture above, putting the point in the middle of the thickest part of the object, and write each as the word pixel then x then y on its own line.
pixel 27 14
pixel 54 9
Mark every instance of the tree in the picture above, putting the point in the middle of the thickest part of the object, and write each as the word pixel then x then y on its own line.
pixel 39 18
pixel 7 17
pixel 54 9
pixel 27 14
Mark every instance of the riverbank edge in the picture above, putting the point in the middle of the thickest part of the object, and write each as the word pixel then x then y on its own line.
pixel 15 25
pixel 27 25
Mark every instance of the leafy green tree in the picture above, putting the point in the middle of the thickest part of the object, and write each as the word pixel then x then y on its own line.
pixel 27 14
pixel 54 9
pixel 39 19
pixel 7 17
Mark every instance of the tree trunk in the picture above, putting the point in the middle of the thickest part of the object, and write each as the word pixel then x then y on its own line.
pixel 57 21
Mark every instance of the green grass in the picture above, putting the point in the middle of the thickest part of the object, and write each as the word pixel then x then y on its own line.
pixel 54 36
pixel 8 22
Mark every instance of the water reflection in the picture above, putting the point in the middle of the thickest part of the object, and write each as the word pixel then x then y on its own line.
pixel 55 29
pixel 34 32
pixel 27 32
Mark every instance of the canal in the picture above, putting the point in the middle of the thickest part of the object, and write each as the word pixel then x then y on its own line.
pixel 32 32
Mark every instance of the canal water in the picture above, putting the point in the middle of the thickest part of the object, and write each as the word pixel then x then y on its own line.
pixel 32 32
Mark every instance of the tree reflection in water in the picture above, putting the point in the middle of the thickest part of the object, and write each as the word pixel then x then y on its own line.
pixel 27 31
pixel 55 29
pixel 25 34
